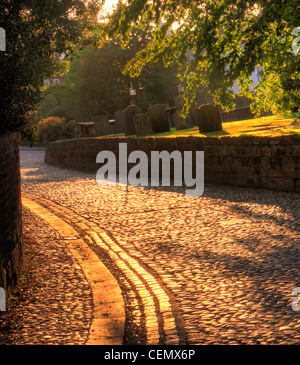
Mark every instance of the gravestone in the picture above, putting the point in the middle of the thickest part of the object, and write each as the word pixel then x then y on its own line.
pixel 159 118
pixel 86 129
pixel 182 123
pixel 119 121
pixel 236 114
pixel 112 126
pixel 142 125
pixel 170 113
pixel 179 121
pixel 101 125
pixel 77 126
pixel 129 114
pixel 2 300
pixel 208 118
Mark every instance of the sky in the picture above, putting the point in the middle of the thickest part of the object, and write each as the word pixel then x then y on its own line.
pixel 108 5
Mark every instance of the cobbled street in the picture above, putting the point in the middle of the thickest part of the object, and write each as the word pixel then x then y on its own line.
pixel 224 264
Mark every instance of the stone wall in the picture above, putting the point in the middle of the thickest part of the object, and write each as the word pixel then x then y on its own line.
pixel 10 212
pixel 237 114
pixel 256 162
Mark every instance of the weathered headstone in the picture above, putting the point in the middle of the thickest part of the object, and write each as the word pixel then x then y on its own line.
pixel 179 121
pixel 182 123
pixel 2 300
pixel 101 125
pixel 142 125
pixel 86 129
pixel 159 118
pixel 77 126
pixel 170 113
pixel 129 114
pixel 236 114
pixel 119 121
pixel 112 126
pixel 208 118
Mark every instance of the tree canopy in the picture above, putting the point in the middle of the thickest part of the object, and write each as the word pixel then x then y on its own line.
pixel 217 43
pixel 37 32
pixel 95 83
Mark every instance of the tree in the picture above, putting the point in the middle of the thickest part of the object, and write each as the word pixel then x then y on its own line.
pixel 97 73
pixel 95 83
pixel 216 43
pixel 159 84
pixel 37 32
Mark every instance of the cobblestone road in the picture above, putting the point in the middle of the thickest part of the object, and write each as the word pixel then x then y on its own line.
pixel 218 269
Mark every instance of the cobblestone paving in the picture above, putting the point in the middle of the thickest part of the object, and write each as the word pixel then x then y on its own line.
pixel 54 313
pixel 228 259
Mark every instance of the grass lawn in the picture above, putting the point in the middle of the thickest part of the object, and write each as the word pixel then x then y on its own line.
pixel 265 126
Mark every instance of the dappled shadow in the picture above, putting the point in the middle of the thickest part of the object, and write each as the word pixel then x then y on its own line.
pixel 267 262
pixel 272 276
pixel 286 203
pixel 35 170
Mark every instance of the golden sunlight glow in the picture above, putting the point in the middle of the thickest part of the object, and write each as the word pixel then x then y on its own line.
pixel 109 6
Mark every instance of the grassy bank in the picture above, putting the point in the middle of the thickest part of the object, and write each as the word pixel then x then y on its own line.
pixel 265 126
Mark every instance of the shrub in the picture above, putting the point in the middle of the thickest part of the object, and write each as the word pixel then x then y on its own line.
pixel 54 128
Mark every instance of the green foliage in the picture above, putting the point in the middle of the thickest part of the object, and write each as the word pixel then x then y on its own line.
pixel 160 85
pixel 95 83
pixel 228 40
pixel 54 128
pixel 36 33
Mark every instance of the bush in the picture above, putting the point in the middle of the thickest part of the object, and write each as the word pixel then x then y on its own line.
pixel 57 111
pixel 69 129
pixel 54 128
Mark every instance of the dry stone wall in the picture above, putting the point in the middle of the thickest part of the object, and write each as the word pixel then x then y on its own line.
pixel 255 162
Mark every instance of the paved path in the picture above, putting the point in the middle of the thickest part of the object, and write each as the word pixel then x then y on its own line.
pixel 108 316
pixel 218 269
